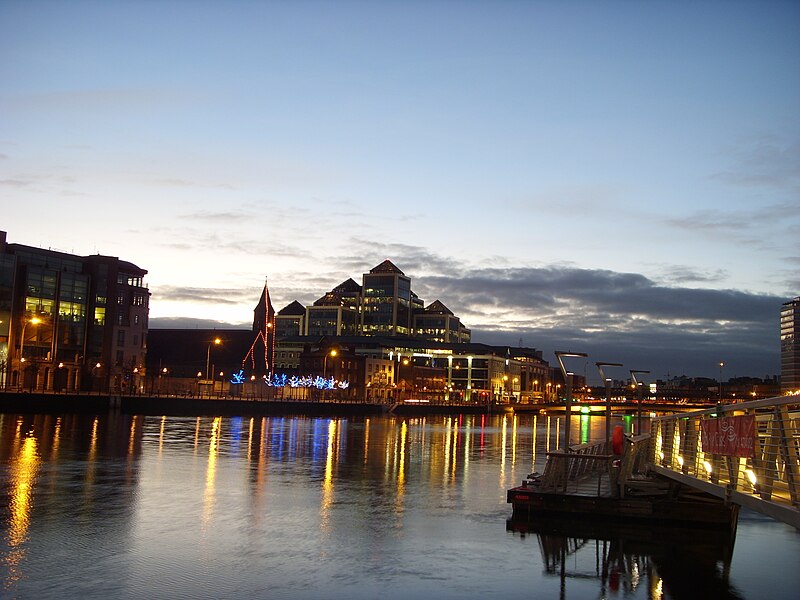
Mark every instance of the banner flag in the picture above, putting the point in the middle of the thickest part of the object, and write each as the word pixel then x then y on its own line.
pixel 729 436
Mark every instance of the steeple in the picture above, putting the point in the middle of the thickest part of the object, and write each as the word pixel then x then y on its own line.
pixel 264 326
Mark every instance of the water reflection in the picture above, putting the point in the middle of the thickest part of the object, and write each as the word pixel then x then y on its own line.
pixel 22 480
pixel 211 472
pixel 130 507
pixel 667 561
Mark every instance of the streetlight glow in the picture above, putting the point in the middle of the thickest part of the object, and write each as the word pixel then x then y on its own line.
pixel 638 386
pixel 607 383
pixel 560 355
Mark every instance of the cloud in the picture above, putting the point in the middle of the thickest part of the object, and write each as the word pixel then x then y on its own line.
pixel 228 296
pixel 678 274
pixel 174 182
pixel 616 314
pixel 737 221
pixel 191 323
pixel 765 161
pixel 231 217
pixel 620 317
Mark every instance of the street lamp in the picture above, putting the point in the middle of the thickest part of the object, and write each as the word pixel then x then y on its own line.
pixel 165 373
pixel 214 342
pixel 721 364
pixel 568 401
pixel 325 366
pixel 95 382
pixel 325 362
pixel 32 321
pixel 607 383
pixel 638 386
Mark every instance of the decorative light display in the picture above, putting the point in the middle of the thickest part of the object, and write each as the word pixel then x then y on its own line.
pixel 280 380
pixel 266 334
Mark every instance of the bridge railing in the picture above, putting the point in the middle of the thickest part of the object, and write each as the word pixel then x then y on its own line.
pixel 746 453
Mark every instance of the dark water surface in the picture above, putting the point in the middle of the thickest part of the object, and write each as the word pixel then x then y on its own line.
pixel 116 506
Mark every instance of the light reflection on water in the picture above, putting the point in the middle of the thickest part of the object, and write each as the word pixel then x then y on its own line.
pixel 118 506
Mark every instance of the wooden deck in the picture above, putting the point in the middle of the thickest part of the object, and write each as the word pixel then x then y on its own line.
pixel 589 481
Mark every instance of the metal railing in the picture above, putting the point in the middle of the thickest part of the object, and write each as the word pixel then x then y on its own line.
pixel 762 473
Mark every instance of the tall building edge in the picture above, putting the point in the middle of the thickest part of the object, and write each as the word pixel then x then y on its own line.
pixel 790 345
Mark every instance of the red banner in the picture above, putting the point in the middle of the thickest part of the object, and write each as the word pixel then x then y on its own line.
pixel 729 436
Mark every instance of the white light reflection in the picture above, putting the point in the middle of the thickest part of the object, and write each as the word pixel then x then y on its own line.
pixel 327 482
pixel 446 469
pixel 366 441
pixel 56 439
pixel 250 440
pixel 454 450
pixel 533 444
pixel 132 438
pixel 91 463
pixel 161 435
pixel 211 473
pixel 515 421
pixel 24 469
pixel 503 437
pixel 401 469
pixel 467 448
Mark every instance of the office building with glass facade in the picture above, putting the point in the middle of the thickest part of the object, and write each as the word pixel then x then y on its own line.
pixel 383 305
pixel 790 346
pixel 70 323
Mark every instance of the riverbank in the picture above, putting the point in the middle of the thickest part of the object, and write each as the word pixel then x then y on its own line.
pixel 35 403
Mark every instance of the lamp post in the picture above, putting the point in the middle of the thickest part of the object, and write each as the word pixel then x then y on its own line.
pixel 33 321
pixel 325 365
pixel 607 383
pixel 164 372
pixel 638 386
pixel 214 342
pixel 96 367
pixel 719 387
pixel 568 401
pixel 325 362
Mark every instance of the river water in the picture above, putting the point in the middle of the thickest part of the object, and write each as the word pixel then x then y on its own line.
pixel 119 506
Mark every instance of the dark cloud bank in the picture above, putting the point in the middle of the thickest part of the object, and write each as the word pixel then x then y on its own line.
pixel 614 317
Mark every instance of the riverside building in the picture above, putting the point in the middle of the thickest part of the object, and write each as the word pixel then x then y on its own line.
pixel 383 305
pixel 790 346
pixel 70 323
pixel 403 349
pixel 378 337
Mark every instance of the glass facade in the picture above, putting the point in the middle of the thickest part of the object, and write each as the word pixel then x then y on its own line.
pixel 59 332
pixel 386 308
pixel 790 345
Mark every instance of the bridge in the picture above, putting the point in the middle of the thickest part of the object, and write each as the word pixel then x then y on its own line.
pixel 745 453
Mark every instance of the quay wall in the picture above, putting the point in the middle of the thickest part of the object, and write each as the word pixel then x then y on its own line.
pixel 39 403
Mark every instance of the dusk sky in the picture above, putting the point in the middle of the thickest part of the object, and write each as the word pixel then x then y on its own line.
pixel 617 178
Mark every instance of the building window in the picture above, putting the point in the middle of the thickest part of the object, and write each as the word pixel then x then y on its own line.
pixel 121 337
